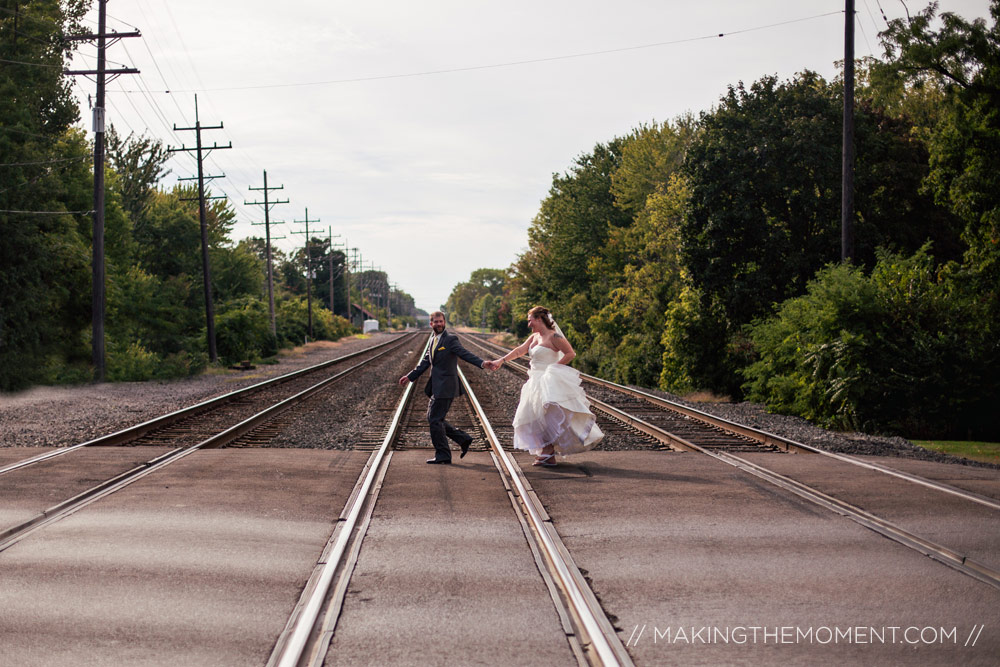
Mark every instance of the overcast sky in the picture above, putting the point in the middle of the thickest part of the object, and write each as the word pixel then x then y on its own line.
pixel 417 131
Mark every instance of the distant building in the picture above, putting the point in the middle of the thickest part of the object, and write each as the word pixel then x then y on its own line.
pixel 359 315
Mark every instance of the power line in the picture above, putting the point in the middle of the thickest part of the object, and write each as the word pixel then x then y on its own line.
pixel 161 114
pixel 48 212
pixel 513 63
pixel 25 132
pixel 24 164
pixel 884 18
pixel 861 27
pixel 21 62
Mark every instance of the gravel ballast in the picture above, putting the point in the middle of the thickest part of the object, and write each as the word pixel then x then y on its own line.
pixel 63 416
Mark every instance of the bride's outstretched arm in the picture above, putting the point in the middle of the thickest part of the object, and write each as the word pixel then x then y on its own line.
pixel 518 351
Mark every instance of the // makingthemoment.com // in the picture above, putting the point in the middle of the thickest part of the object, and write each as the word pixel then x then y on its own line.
pixel 819 635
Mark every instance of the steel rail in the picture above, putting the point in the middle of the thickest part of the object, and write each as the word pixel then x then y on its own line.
pixel 14 534
pixel 767 438
pixel 677 444
pixel 133 432
pixel 597 635
pixel 927 547
pixel 290 649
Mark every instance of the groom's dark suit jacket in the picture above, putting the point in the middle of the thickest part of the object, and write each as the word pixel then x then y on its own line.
pixel 443 382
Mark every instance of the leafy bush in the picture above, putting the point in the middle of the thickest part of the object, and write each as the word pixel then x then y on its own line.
pixel 904 350
pixel 130 362
pixel 696 347
pixel 293 322
pixel 243 331
pixel 182 364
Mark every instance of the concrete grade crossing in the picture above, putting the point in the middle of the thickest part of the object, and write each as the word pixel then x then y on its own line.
pixel 694 562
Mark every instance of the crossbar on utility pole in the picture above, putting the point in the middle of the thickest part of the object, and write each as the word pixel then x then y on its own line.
pixel 268 205
pixel 206 273
pixel 309 302
pixel 98 297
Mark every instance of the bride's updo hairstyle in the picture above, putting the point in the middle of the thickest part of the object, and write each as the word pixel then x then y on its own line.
pixel 543 314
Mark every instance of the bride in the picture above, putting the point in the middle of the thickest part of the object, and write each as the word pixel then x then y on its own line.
pixel 553 416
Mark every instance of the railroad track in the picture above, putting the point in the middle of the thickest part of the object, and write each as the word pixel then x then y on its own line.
pixel 202 420
pixel 656 422
pixel 244 417
pixel 685 429
pixel 313 623
pixel 588 630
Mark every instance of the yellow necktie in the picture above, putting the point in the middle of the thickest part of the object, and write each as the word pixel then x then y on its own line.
pixel 434 343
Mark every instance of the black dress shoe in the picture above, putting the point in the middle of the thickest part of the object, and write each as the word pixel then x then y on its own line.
pixel 465 447
pixel 439 461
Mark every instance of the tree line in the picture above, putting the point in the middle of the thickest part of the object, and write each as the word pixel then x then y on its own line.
pixel 703 253
pixel 155 326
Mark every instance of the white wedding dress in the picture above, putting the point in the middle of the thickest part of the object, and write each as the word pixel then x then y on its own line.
pixel 553 408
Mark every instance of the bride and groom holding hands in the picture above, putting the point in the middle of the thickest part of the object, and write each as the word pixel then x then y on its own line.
pixel 553 416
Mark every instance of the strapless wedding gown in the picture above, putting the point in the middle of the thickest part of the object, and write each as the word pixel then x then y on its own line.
pixel 553 408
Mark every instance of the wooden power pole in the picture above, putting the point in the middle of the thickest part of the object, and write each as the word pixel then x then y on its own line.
pixel 97 263
pixel 268 205
pixel 309 301
pixel 847 167
pixel 206 273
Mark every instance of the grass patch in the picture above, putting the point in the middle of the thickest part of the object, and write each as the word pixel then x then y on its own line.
pixel 988 452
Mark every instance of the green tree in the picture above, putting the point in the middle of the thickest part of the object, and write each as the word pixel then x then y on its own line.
pixel 900 350
pixel 764 174
pixel 961 59
pixel 139 163
pixel 465 304
pixel 765 191
pixel 45 274
pixel 640 261
pixel 570 230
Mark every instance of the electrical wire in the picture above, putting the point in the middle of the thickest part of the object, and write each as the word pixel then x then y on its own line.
pixel 24 164
pixel 48 212
pixel 513 63
pixel 857 21
pixel 21 62
pixel 884 17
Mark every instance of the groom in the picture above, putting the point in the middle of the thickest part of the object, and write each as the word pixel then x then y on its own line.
pixel 442 387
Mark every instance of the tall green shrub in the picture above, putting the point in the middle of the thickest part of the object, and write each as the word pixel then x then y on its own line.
pixel 905 349
pixel 243 331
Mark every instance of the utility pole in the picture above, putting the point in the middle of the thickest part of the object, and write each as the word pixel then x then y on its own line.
pixel 353 268
pixel 358 280
pixel 309 300
pixel 346 269
pixel 383 288
pixel 201 178
pixel 847 169
pixel 392 288
pixel 330 237
pixel 97 263
pixel 268 205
